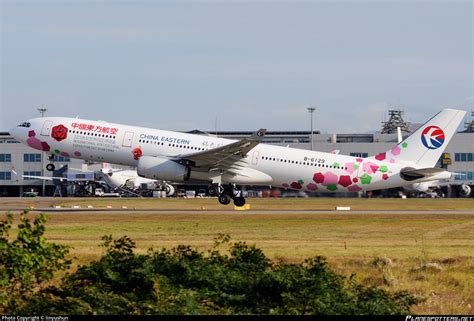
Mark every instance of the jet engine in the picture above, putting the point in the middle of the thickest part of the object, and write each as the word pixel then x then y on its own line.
pixel 421 187
pixel 162 169
pixel 169 190
pixel 465 190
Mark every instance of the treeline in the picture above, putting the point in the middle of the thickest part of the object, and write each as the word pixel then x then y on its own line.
pixel 231 278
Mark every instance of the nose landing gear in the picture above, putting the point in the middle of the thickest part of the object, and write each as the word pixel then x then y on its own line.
pixel 50 167
pixel 226 194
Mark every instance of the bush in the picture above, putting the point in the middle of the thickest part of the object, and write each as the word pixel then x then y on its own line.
pixel 184 280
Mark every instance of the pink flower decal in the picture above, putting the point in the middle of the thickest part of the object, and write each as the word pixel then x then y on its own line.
pixel 312 186
pixel 381 156
pixel 396 151
pixel 285 185
pixel 330 178
pixel 345 180
pixel 35 143
pixel 78 154
pixel 370 167
pixel 318 178
pixel 45 146
pixel 385 177
pixel 354 188
pixel 350 168
pixel 296 185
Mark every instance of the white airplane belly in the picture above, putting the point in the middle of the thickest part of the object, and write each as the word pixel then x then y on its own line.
pixel 248 176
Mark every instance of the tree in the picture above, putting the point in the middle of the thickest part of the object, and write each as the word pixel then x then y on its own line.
pixel 27 262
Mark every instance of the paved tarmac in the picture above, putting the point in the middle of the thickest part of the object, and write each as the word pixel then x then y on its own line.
pixel 232 211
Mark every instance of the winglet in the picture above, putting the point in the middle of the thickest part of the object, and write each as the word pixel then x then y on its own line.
pixel 259 134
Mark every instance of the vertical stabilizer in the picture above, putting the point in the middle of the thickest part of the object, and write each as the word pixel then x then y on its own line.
pixel 424 147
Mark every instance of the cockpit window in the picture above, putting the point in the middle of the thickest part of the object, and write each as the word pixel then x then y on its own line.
pixel 25 124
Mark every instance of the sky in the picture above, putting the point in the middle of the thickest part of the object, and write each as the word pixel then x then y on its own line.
pixel 235 65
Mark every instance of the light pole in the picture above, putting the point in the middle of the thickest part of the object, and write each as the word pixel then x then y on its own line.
pixel 311 111
pixel 42 110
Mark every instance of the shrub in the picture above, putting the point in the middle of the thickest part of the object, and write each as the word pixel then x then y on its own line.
pixel 184 280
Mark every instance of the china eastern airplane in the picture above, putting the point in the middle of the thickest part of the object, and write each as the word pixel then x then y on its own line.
pixel 225 163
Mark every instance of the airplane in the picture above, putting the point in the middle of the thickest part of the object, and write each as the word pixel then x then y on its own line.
pixel 224 163
pixel 123 179
pixel 129 179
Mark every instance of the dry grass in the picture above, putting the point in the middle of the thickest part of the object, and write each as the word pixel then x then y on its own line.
pixel 349 241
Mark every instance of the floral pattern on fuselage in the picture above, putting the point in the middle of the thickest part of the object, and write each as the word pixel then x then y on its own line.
pixel 35 143
pixel 361 172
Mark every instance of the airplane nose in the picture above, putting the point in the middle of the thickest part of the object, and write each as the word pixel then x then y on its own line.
pixel 14 132
pixel 18 133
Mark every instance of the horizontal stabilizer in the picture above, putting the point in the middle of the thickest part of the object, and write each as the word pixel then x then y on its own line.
pixel 411 174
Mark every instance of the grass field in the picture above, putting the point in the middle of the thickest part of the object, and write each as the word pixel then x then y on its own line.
pixel 351 242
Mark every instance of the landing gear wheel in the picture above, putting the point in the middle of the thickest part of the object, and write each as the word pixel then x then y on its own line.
pixel 50 167
pixel 224 199
pixel 239 201
pixel 212 190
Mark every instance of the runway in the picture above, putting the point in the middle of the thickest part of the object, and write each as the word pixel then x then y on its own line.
pixel 244 212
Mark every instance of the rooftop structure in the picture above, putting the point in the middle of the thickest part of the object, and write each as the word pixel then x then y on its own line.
pixel 470 126
pixel 395 120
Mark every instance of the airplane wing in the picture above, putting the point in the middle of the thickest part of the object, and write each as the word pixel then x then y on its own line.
pixel 227 157
pixel 45 178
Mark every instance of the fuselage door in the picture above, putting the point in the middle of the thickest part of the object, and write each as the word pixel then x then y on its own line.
pixel 127 139
pixel 46 128
pixel 255 157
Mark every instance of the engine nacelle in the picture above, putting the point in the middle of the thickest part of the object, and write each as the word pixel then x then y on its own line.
pixel 169 190
pixel 422 187
pixel 162 169
pixel 465 190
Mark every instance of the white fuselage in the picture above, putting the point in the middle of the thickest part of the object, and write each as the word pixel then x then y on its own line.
pixel 126 178
pixel 279 166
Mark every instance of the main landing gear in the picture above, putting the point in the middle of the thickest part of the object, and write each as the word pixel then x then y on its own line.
pixel 226 194
pixel 50 167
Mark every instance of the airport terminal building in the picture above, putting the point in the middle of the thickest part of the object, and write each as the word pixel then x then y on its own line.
pixel 17 159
